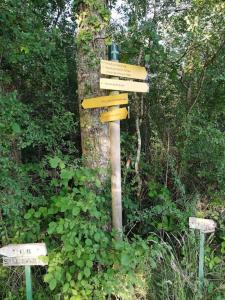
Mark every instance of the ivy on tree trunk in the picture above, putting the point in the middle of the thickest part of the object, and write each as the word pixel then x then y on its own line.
pixel 92 20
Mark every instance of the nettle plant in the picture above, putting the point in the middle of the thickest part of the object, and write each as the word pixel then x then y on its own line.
pixel 86 260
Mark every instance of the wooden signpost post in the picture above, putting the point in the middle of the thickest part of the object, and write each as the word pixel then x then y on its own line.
pixel 115 114
pixel 114 68
pixel 204 226
pixel 24 255
pixel 114 135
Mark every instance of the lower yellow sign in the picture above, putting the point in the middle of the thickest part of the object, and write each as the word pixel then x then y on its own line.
pixel 105 101
pixel 114 115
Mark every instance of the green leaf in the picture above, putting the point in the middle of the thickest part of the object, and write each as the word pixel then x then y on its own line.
pixel 89 263
pixel 87 272
pixel 29 214
pixel 75 211
pixel 88 242
pixel 61 165
pixel 60 228
pixel 52 284
pixel 80 263
pixel 67 174
pixel 66 287
pixel 125 260
pixel 147 58
pixel 58 274
pixel 79 277
pixel 98 183
pixel 24 49
pixel 77 297
pixel 16 128
pixel 48 277
pixel 54 162
pixel 97 236
pixel 68 276
pixel 52 227
pixel 78 252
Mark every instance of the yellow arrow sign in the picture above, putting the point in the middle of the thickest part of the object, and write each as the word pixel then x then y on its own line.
pixel 123 85
pixel 114 115
pixel 123 70
pixel 105 101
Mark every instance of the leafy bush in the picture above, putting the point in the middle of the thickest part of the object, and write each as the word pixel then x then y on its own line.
pixel 86 261
pixel 203 155
pixel 158 212
pixel 175 273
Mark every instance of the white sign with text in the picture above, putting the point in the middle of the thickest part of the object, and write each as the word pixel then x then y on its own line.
pixel 24 250
pixel 204 225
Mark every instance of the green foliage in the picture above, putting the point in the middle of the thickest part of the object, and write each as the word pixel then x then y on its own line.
pixel 36 117
pixel 175 272
pixel 46 195
pixel 159 212
pixel 41 56
pixel 90 25
pixel 204 150
pixel 14 182
pixel 86 261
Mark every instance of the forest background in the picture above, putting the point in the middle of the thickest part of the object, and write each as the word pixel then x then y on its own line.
pixel 172 150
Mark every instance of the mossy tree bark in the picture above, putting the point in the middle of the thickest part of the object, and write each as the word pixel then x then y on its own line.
pixel 92 20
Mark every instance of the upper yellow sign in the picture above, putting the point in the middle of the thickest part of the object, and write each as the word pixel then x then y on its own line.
pixel 105 101
pixel 122 70
pixel 114 115
pixel 123 85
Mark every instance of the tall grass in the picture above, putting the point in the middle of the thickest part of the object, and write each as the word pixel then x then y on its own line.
pixel 175 272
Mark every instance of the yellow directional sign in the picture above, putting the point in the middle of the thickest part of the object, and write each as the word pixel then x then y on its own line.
pixel 105 101
pixel 123 85
pixel 114 115
pixel 123 70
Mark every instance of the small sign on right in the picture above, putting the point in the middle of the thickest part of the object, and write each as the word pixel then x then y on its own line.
pixel 204 225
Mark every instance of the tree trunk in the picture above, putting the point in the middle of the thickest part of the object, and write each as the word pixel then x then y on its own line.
pixel 92 23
